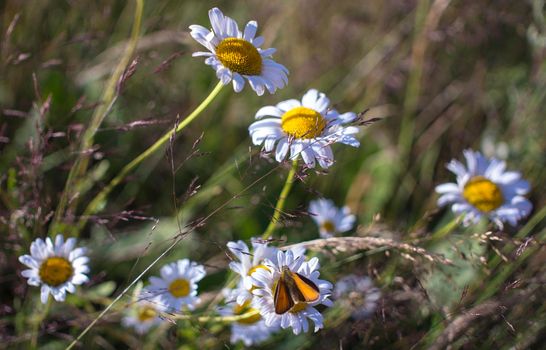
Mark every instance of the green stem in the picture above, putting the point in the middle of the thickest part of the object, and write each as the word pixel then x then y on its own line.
pixel 95 204
pixel 446 229
pixel 232 318
pixel 411 98
pixel 37 322
pixel 280 202
pixel 69 196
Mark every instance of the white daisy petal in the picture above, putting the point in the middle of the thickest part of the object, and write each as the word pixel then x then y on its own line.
pixel 238 82
pixel 448 198
pixel 59 244
pixel 232 30
pixel 258 41
pixel 270 111
pixel 347 117
pixel 250 31
pixel 287 105
pixel 268 52
pixel 217 20
pixel 447 188
pixel 324 154
pixel 80 279
pixel 310 98
pixel 282 149
pixel 29 261
pixel 44 293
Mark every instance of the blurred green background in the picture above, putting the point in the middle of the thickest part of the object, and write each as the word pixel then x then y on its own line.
pixel 443 76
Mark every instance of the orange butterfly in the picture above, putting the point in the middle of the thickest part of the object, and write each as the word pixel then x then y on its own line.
pixel 291 288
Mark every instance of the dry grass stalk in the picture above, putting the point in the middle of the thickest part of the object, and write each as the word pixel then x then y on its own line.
pixel 351 244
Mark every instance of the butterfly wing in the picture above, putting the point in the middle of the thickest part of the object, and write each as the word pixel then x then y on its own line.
pixel 307 290
pixel 282 298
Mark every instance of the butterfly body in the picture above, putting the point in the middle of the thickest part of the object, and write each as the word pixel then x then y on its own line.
pixel 293 288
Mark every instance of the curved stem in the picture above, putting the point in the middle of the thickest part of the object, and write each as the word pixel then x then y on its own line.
pixel 95 204
pixel 280 202
pixel 69 198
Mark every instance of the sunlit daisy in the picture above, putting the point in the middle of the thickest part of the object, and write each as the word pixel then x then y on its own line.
pixel 143 315
pixel 485 188
pixel 249 261
pixel 297 316
pixel 236 55
pixel 329 218
pixel 358 294
pixel 58 267
pixel 250 330
pixel 177 286
pixel 306 129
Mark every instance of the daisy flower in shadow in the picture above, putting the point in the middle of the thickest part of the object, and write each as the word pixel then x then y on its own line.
pixel 485 189
pixel 177 286
pixel 251 330
pixel 329 218
pixel 305 128
pixel 58 268
pixel 236 55
pixel 357 294
pixel 144 314
pixel 273 289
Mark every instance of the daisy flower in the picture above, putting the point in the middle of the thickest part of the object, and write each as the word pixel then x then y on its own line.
pixel 236 55
pixel 485 188
pixel 177 285
pixel 143 315
pixel 305 128
pixel 297 316
pixel 57 268
pixel 249 261
pixel 357 294
pixel 329 218
pixel 251 330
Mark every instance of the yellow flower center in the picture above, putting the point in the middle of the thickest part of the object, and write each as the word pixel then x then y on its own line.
pixel 303 123
pixel 239 56
pixel 146 313
pixel 179 288
pixel 483 194
pixel 244 309
pixel 55 271
pixel 328 226
pixel 298 307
